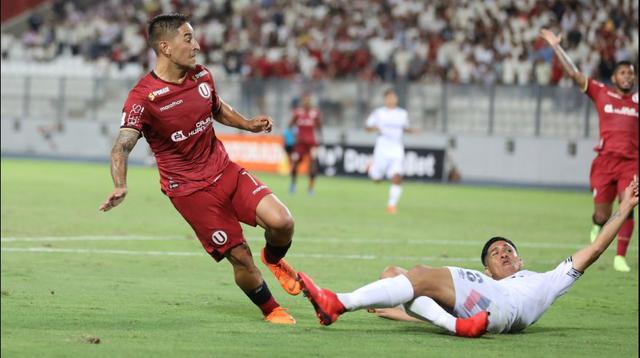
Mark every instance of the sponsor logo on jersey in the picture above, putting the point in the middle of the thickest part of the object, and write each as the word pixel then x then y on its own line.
pixel 171 105
pixel 219 237
pixel 624 110
pixel 135 114
pixel 156 93
pixel 179 136
pixel 204 90
pixel 199 75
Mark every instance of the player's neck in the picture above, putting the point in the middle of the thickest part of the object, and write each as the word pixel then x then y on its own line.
pixel 169 72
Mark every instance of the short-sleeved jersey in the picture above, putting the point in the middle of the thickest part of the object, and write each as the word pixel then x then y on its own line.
pixel 618 120
pixel 306 121
pixel 391 123
pixel 177 122
pixel 514 302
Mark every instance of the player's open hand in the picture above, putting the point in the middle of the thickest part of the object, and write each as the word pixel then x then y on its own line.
pixel 114 199
pixel 261 123
pixel 630 195
pixel 551 38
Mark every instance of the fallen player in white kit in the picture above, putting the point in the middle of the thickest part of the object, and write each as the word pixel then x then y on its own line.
pixel 466 302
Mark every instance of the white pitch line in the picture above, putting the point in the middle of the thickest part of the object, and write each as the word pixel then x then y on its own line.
pixel 292 255
pixel 328 240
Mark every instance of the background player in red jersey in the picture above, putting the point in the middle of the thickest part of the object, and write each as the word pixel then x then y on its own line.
pixel 617 159
pixel 306 119
pixel 173 107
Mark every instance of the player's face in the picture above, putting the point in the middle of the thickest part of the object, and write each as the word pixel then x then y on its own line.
pixel 502 260
pixel 391 100
pixel 184 47
pixel 306 101
pixel 624 78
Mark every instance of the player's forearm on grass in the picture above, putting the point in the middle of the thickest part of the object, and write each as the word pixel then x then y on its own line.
pixel 569 67
pixel 587 256
pixel 230 117
pixel 124 144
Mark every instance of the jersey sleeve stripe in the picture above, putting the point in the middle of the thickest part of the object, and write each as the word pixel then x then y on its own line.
pixel 586 85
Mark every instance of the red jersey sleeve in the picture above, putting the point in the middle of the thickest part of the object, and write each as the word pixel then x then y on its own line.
pixel 216 106
pixel 593 88
pixel 134 113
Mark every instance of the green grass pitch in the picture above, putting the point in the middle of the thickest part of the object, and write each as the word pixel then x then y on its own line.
pixel 137 279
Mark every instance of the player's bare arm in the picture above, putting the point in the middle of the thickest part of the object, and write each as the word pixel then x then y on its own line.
pixel 587 256
pixel 569 67
pixel 127 139
pixel 232 118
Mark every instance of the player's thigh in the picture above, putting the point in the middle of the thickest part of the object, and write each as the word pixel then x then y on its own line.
pixel 271 213
pixel 378 166
pixel 603 180
pixel 433 282
pixel 395 167
pixel 216 227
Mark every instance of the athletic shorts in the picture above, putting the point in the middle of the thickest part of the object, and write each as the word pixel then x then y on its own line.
pixel 385 166
pixel 215 212
pixel 304 149
pixel 610 175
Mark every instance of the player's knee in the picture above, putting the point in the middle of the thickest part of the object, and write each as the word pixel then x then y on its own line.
pixel 392 271
pixel 282 221
pixel 600 217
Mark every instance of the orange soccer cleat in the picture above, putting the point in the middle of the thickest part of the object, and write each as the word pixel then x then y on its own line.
pixel 280 315
pixel 392 209
pixel 328 307
pixel 474 326
pixel 286 275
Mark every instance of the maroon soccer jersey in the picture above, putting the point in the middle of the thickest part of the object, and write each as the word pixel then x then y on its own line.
pixel 618 120
pixel 307 120
pixel 177 122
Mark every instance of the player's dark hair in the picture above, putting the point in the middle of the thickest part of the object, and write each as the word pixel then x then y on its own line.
pixel 488 244
pixel 622 63
pixel 162 25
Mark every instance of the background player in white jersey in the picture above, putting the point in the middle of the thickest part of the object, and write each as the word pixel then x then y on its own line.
pixel 390 122
pixel 505 298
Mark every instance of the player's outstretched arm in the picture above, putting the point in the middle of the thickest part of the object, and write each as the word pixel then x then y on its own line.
pixel 585 257
pixel 568 65
pixel 127 139
pixel 232 118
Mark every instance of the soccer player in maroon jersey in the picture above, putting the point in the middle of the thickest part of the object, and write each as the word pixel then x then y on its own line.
pixel 306 119
pixel 617 159
pixel 174 107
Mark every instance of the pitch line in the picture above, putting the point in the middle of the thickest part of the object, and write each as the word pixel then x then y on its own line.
pixel 291 255
pixel 329 240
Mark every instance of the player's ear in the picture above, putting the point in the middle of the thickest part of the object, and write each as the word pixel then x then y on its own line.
pixel 164 48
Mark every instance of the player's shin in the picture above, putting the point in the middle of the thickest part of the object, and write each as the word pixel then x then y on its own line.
pixel 425 308
pixel 394 195
pixel 388 292
pixel 624 236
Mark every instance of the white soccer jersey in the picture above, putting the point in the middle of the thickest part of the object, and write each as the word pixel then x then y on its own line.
pixel 391 122
pixel 515 302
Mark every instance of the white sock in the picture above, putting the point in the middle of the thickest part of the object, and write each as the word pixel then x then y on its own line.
pixel 394 194
pixel 425 308
pixel 388 292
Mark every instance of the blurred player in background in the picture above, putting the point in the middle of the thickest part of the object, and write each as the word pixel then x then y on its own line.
pixel 503 299
pixel 390 122
pixel 173 107
pixel 306 123
pixel 617 159
pixel 289 138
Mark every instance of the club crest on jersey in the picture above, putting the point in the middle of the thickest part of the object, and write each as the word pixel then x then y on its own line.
pixel 204 90
pixel 199 75
pixel 219 237
pixel 152 96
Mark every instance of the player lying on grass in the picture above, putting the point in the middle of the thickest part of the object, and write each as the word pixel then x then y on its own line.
pixel 505 298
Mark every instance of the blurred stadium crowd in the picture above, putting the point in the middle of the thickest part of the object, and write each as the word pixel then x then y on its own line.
pixel 461 41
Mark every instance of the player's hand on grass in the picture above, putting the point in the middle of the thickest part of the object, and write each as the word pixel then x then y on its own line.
pixel 260 123
pixel 630 195
pixel 114 199
pixel 551 38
